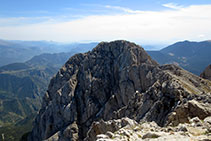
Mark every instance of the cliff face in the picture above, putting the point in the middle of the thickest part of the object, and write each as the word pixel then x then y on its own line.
pixel 206 74
pixel 115 80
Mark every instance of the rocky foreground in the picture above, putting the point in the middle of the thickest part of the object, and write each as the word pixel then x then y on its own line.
pixel 129 130
pixel 118 92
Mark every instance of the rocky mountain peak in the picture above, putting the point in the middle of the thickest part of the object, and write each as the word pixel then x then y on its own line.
pixel 117 79
pixel 127 52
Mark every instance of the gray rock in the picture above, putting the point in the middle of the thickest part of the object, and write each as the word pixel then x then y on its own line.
pixel 102 136
pixel 206 74
pixel 182 127
pixel 109 134
pixel 195 120
pixel 151 135
pixel 107 127
pixel 208 120
pixel 189 110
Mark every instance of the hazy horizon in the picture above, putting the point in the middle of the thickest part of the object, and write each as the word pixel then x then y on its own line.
pixel 147 46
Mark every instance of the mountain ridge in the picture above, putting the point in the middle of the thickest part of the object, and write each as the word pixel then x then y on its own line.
pixel 115 80
pixel 192 56
pixel 21 51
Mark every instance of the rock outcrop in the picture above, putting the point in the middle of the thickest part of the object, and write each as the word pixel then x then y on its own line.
pixel 206 74
pixel 195 130
pixel 116 80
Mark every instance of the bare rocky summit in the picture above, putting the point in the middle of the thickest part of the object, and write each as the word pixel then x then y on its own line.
pixel 114 81
pixel 206 74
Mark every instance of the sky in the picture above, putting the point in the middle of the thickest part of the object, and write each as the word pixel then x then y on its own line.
pixel 142 21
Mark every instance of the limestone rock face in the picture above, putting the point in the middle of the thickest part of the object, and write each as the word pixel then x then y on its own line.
pixel 116 80
pixel 206 74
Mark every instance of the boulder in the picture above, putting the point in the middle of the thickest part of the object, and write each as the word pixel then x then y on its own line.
pixel 206 74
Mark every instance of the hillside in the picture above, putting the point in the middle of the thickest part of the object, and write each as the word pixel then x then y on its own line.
pixel 20 97
pixel 192 56
pixel 22 86
pixel 21 89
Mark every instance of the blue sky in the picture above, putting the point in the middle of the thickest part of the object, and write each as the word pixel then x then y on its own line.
pixel 35 8
pixel 147 21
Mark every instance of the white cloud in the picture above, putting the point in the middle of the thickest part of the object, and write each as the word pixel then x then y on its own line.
pixel 143 26
pixel 127 10
pixel 201 36
pixel 173 6
pixel 18 21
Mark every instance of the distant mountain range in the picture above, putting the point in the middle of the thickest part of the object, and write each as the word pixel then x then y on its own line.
pixel 192 56
pixel 21 51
